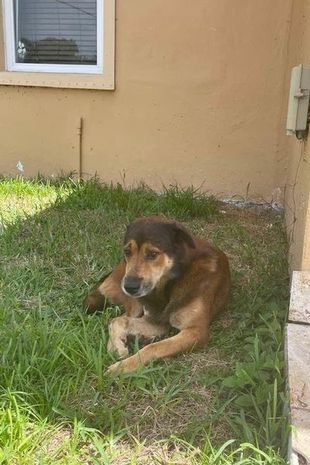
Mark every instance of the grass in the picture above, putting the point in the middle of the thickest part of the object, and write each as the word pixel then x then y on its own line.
pixel 225 405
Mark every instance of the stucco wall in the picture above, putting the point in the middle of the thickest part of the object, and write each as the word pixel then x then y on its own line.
pixel 297 194
pixel 198 100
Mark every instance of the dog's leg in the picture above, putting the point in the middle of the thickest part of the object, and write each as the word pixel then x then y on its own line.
pixel 184 341
pixel 121 327
pixel 118 336
pixel 108 290
pixel 191 320
pixel 95 301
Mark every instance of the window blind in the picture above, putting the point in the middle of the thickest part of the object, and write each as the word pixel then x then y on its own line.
pixel 56 31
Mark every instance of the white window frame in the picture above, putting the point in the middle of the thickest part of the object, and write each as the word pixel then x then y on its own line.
pixel 12 65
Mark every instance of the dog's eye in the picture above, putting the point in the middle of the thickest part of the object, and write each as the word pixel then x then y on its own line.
pixel 151 254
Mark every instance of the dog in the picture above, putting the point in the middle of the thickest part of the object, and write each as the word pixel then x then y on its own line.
pixel 168 279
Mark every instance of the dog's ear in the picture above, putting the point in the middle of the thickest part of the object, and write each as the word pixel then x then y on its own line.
pixel 128 233
pixel 125 239
pixel 182 235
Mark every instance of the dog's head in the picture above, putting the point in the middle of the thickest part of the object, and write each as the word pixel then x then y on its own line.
pixel 153 249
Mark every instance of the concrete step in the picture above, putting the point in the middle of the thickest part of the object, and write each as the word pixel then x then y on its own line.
pixel 298 368
pixel 299 311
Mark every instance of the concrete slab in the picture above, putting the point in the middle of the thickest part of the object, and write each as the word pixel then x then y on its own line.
pixel 300 297
pixel 298 359
pixel 298 372
pixel 300 440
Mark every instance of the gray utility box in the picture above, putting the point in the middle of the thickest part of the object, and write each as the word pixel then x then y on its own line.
pixel 297 114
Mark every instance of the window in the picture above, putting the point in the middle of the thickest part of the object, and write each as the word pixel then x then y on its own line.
pixel 68 37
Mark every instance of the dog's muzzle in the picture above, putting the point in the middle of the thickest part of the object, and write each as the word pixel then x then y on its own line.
pixel 134 286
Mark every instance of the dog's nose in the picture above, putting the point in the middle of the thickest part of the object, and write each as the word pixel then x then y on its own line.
pixel 132 284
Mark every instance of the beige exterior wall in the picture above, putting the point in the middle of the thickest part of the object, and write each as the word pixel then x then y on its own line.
pixel 297 195
pixel 198 100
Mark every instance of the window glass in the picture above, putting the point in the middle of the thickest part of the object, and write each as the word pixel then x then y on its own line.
pixel 56 31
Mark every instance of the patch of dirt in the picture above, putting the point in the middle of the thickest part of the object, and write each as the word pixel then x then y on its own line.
pixel 55 442
pixel 199 361
pixel 158 421
pixel 156 417
pixel 156 454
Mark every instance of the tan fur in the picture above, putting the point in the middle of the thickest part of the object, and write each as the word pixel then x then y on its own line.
pixel 184 341
pixel 187 303
pixel 152 272
pixel 111 288
pixel 123 326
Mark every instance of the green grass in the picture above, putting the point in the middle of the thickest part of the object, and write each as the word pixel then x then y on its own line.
pixel 225 405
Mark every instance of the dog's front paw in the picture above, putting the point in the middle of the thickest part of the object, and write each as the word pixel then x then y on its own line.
pixel 128 365
pixel 119 347
pixel 116 368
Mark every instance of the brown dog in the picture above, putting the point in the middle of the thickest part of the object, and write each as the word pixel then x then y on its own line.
pixel 168 279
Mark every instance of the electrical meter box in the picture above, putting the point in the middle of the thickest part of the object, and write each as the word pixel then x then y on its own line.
pixel 298 105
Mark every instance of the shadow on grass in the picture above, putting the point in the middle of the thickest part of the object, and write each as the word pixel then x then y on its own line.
pixel 60 238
